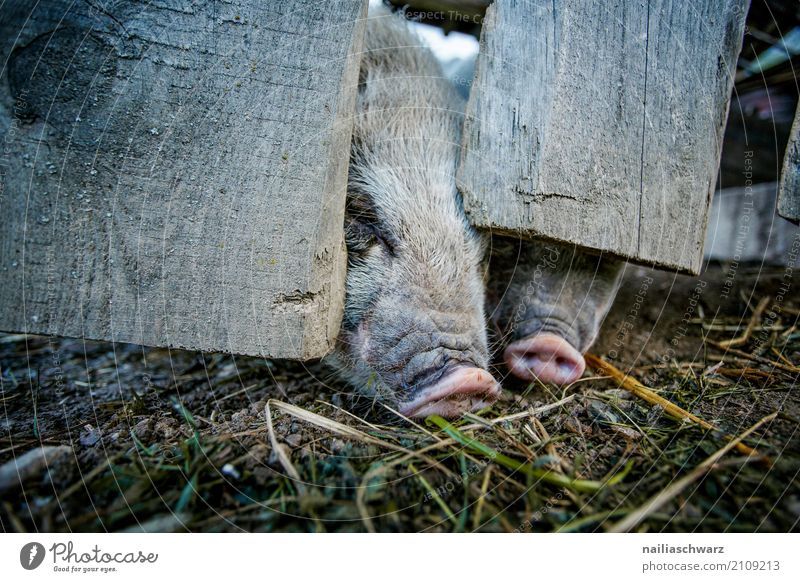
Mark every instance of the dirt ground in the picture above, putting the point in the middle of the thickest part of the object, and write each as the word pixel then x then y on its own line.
pixel 127 438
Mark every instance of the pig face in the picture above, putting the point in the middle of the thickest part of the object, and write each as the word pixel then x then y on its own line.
pixel 413 334
pixel 549 301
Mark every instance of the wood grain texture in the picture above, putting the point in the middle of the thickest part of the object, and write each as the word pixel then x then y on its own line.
pixel 789 195
pixel 175 172
pixel 599 124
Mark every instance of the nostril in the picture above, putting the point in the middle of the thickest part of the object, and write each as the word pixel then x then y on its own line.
pixel 545 356
pixel 566 363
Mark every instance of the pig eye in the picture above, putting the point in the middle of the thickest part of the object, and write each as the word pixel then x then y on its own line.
pixel 363 228
pixel 362 236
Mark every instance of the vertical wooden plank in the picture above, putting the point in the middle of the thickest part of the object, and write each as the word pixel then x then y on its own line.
pixel 692 50
pixel 789 193
pixel 599 124
pixel 176 171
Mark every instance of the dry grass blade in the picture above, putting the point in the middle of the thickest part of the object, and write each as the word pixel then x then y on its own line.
pixel 656 502
pixel 755 358
pixel 518 415
pixel 632 385
pixel 380 470
pixel 416 425
pixel 179 433
pixel 477 516
pixel 335 427
pixel 350 414
pixel 748 373
pixel 281 452
pixel 435 495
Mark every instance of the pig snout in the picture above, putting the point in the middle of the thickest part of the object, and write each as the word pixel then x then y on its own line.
pixel 553 299
pixel 462 389
pixel 421 352
pixel 545 356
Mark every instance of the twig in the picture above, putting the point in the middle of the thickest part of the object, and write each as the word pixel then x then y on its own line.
pixel 782 357
pixel 751 325
pixel 19 469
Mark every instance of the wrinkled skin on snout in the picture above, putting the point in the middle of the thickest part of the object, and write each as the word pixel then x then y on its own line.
pixel 548 301
pixel 414 330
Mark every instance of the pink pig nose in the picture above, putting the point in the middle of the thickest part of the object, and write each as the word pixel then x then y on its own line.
pixel 465 389
pixel 545 356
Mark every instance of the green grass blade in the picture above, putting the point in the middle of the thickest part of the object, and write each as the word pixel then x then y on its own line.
pixel 582 485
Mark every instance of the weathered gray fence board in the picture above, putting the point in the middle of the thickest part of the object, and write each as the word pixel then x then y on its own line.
pixel 176 171
pixel 744 225
pixel 600 123
pixel 789 195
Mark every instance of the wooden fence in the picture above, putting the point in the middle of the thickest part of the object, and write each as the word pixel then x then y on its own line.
pixel 174 174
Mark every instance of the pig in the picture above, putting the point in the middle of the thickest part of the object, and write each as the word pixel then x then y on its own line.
pixel 547 302
pixel 413 334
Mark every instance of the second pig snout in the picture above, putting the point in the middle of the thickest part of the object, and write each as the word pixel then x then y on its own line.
pixel 545 356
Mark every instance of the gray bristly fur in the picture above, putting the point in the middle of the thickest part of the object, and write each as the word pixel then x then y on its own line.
pixel 415 294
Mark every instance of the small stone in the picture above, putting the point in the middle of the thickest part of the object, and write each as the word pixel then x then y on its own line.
pixel 602 413
pixel 627 432
pixel 230 471
pixel 143 428
pixel 337 445
pixel 89 436
pixel 294 440
pixel 17 471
